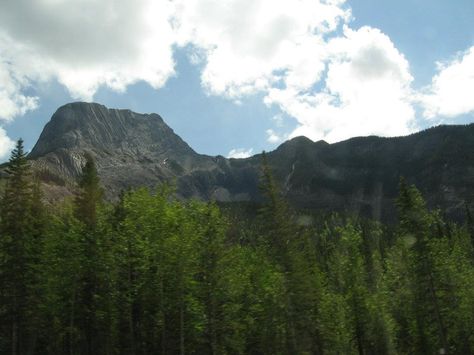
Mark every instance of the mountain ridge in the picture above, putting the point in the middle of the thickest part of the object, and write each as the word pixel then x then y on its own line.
pixel 359 175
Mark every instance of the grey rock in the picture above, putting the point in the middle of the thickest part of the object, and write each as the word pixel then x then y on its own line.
pixel 359 175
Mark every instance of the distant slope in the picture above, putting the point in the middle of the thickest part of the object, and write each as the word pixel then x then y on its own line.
pixel 359 175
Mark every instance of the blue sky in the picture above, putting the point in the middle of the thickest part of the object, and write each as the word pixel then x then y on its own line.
pixel 234 77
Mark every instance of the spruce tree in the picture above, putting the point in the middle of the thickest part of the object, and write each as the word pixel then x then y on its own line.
pixel 85 205
pixel 289 247
pixel 415 227
pixel 17 194
pixel 470 227
pixel 90 194
pixel 278 227
pixel 16 251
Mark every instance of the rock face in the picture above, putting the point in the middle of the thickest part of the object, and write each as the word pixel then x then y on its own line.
pixel 358 175
pixel 130 149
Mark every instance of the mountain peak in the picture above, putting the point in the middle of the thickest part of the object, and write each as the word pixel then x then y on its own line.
pixel 130 149
pixel 300 140
pixel 94 127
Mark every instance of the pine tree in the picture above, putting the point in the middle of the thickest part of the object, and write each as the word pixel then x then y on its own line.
pixel 90 194
pixel 291 249
pixel 86 210
pixel 17 256
pixel 278 227
pixel 416 226
pixel 16 198
pixel 470 228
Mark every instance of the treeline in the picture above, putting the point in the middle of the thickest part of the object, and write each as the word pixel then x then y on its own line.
pixel 153 275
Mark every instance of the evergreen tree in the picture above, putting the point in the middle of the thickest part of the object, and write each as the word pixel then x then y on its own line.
pixel 416 226
pixel 470 228
pixel 17 256
pixel 293 252
pixel 90 194
pixel 276 223
pixel 93 278
pixel 17 195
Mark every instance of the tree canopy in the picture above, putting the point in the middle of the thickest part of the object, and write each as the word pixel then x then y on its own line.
pixel 153 274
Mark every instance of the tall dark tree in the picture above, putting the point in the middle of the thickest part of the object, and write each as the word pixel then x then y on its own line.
pixel 470 227
pixel 278 227
pixel 90 194
pixel 416 226
pixel 17 194
pixel 16 254
pixel 290 248
pixel 86 207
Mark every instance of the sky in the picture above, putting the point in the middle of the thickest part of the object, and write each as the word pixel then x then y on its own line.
pixel 235 77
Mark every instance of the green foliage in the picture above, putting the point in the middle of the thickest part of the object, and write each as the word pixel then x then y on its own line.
pixel 21 228
pixel 90 194
pixel 154 275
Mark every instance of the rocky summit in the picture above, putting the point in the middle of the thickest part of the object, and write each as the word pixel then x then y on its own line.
pixel 359 175
pixel 132 150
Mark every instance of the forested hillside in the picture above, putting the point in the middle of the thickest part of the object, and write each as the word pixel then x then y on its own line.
pixel 151 274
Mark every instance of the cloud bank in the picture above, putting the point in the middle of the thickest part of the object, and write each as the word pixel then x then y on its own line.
pixel 302 55
pixel 366 90
pixel 451 91
pixel 83 44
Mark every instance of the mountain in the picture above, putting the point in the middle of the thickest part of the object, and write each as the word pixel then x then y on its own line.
pixel 130 149
pixel 359 175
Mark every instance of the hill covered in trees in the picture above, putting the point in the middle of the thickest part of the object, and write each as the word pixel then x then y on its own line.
pixel 153 274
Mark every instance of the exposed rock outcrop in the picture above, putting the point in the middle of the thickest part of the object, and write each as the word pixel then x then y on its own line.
pixel 359 175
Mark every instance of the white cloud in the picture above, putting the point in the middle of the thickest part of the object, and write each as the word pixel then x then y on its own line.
pixel 240 153
pixel 451 90
pixel 6 144
pixel 245 46
pixel 251 45
pixel 273 137
pixel 12 102
pixel 334 86
pixel 83 44
pixel 13 81
pixel 366 91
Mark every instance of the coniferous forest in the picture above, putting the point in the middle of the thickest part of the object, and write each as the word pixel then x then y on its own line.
pixel 150 274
